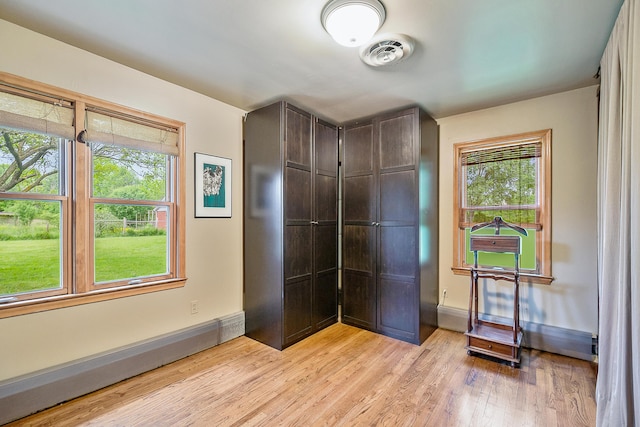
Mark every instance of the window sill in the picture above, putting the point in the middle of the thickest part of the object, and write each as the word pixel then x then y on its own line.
pixel 19 308
pixel 524 277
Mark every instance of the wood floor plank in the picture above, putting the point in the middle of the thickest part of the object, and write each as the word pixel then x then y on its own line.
pixel 342 376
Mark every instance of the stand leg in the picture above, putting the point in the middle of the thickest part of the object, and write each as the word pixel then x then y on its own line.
pixel 469 324
pixel 475 298
pixel 516 307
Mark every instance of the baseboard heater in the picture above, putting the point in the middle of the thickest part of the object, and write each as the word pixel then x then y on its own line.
pixel 567 342
pixel 28 394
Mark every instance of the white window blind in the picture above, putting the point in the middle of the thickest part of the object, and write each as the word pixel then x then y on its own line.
pixel 39 114
pixel 114 129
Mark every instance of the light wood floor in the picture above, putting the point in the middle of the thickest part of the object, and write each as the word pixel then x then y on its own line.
pixel 342 376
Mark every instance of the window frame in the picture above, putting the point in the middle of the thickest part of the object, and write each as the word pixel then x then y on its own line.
pixel 77 238
pixel 542 273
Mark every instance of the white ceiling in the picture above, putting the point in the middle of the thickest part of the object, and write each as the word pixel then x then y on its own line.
pixel 470 54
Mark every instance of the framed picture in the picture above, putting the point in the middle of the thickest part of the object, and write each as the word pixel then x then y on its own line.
pixel 212 186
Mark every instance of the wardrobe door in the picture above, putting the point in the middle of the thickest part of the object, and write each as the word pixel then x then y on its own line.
pixel 298 257
pixel 397 213
pixel 359 232
pixel 325 225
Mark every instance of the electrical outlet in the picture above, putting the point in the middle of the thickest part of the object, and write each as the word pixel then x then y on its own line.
pixel 194 307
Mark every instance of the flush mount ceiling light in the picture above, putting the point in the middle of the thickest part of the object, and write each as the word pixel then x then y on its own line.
pixel 352 22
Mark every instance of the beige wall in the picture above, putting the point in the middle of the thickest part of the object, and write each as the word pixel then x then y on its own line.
pixel 214 246
pixel 571 299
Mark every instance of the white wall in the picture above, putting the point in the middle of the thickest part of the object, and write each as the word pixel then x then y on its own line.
pixel 213 246
pixel 571 299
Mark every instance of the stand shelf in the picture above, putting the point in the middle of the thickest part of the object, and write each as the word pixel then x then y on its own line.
pixel 495 340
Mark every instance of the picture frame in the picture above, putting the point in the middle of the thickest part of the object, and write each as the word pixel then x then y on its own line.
pixel 212 186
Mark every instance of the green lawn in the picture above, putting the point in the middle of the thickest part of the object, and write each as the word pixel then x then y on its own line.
pixel 28 265
pixel 128 257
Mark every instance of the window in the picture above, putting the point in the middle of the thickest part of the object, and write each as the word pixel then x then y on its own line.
pixel 508 177
pixel 85 218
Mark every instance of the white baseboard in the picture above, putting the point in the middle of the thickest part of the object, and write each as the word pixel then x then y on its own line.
pixel 34 392
pixel 567 342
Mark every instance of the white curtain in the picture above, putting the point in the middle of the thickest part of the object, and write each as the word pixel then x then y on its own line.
pixel 618 384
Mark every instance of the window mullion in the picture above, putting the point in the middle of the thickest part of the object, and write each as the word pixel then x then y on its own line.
pixel 83 242
pixel 67 220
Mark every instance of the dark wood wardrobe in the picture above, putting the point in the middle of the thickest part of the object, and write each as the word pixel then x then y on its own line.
pixel 390 224
pixel 290 224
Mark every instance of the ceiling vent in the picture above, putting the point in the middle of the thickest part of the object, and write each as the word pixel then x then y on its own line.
pixel 386 49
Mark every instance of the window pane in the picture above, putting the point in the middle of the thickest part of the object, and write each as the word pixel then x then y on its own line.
pixel 131 241
pixel 29 162
pixel 30 246
pixel 127 173
pixel 503 183
pixel 490 259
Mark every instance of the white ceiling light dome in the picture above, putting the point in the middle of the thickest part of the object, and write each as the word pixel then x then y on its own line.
pixel 387 49
pixel 353 22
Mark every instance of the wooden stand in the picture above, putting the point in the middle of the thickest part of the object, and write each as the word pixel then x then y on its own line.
pixel 494 339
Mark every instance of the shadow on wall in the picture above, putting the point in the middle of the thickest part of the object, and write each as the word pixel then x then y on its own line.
pixel 500 302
